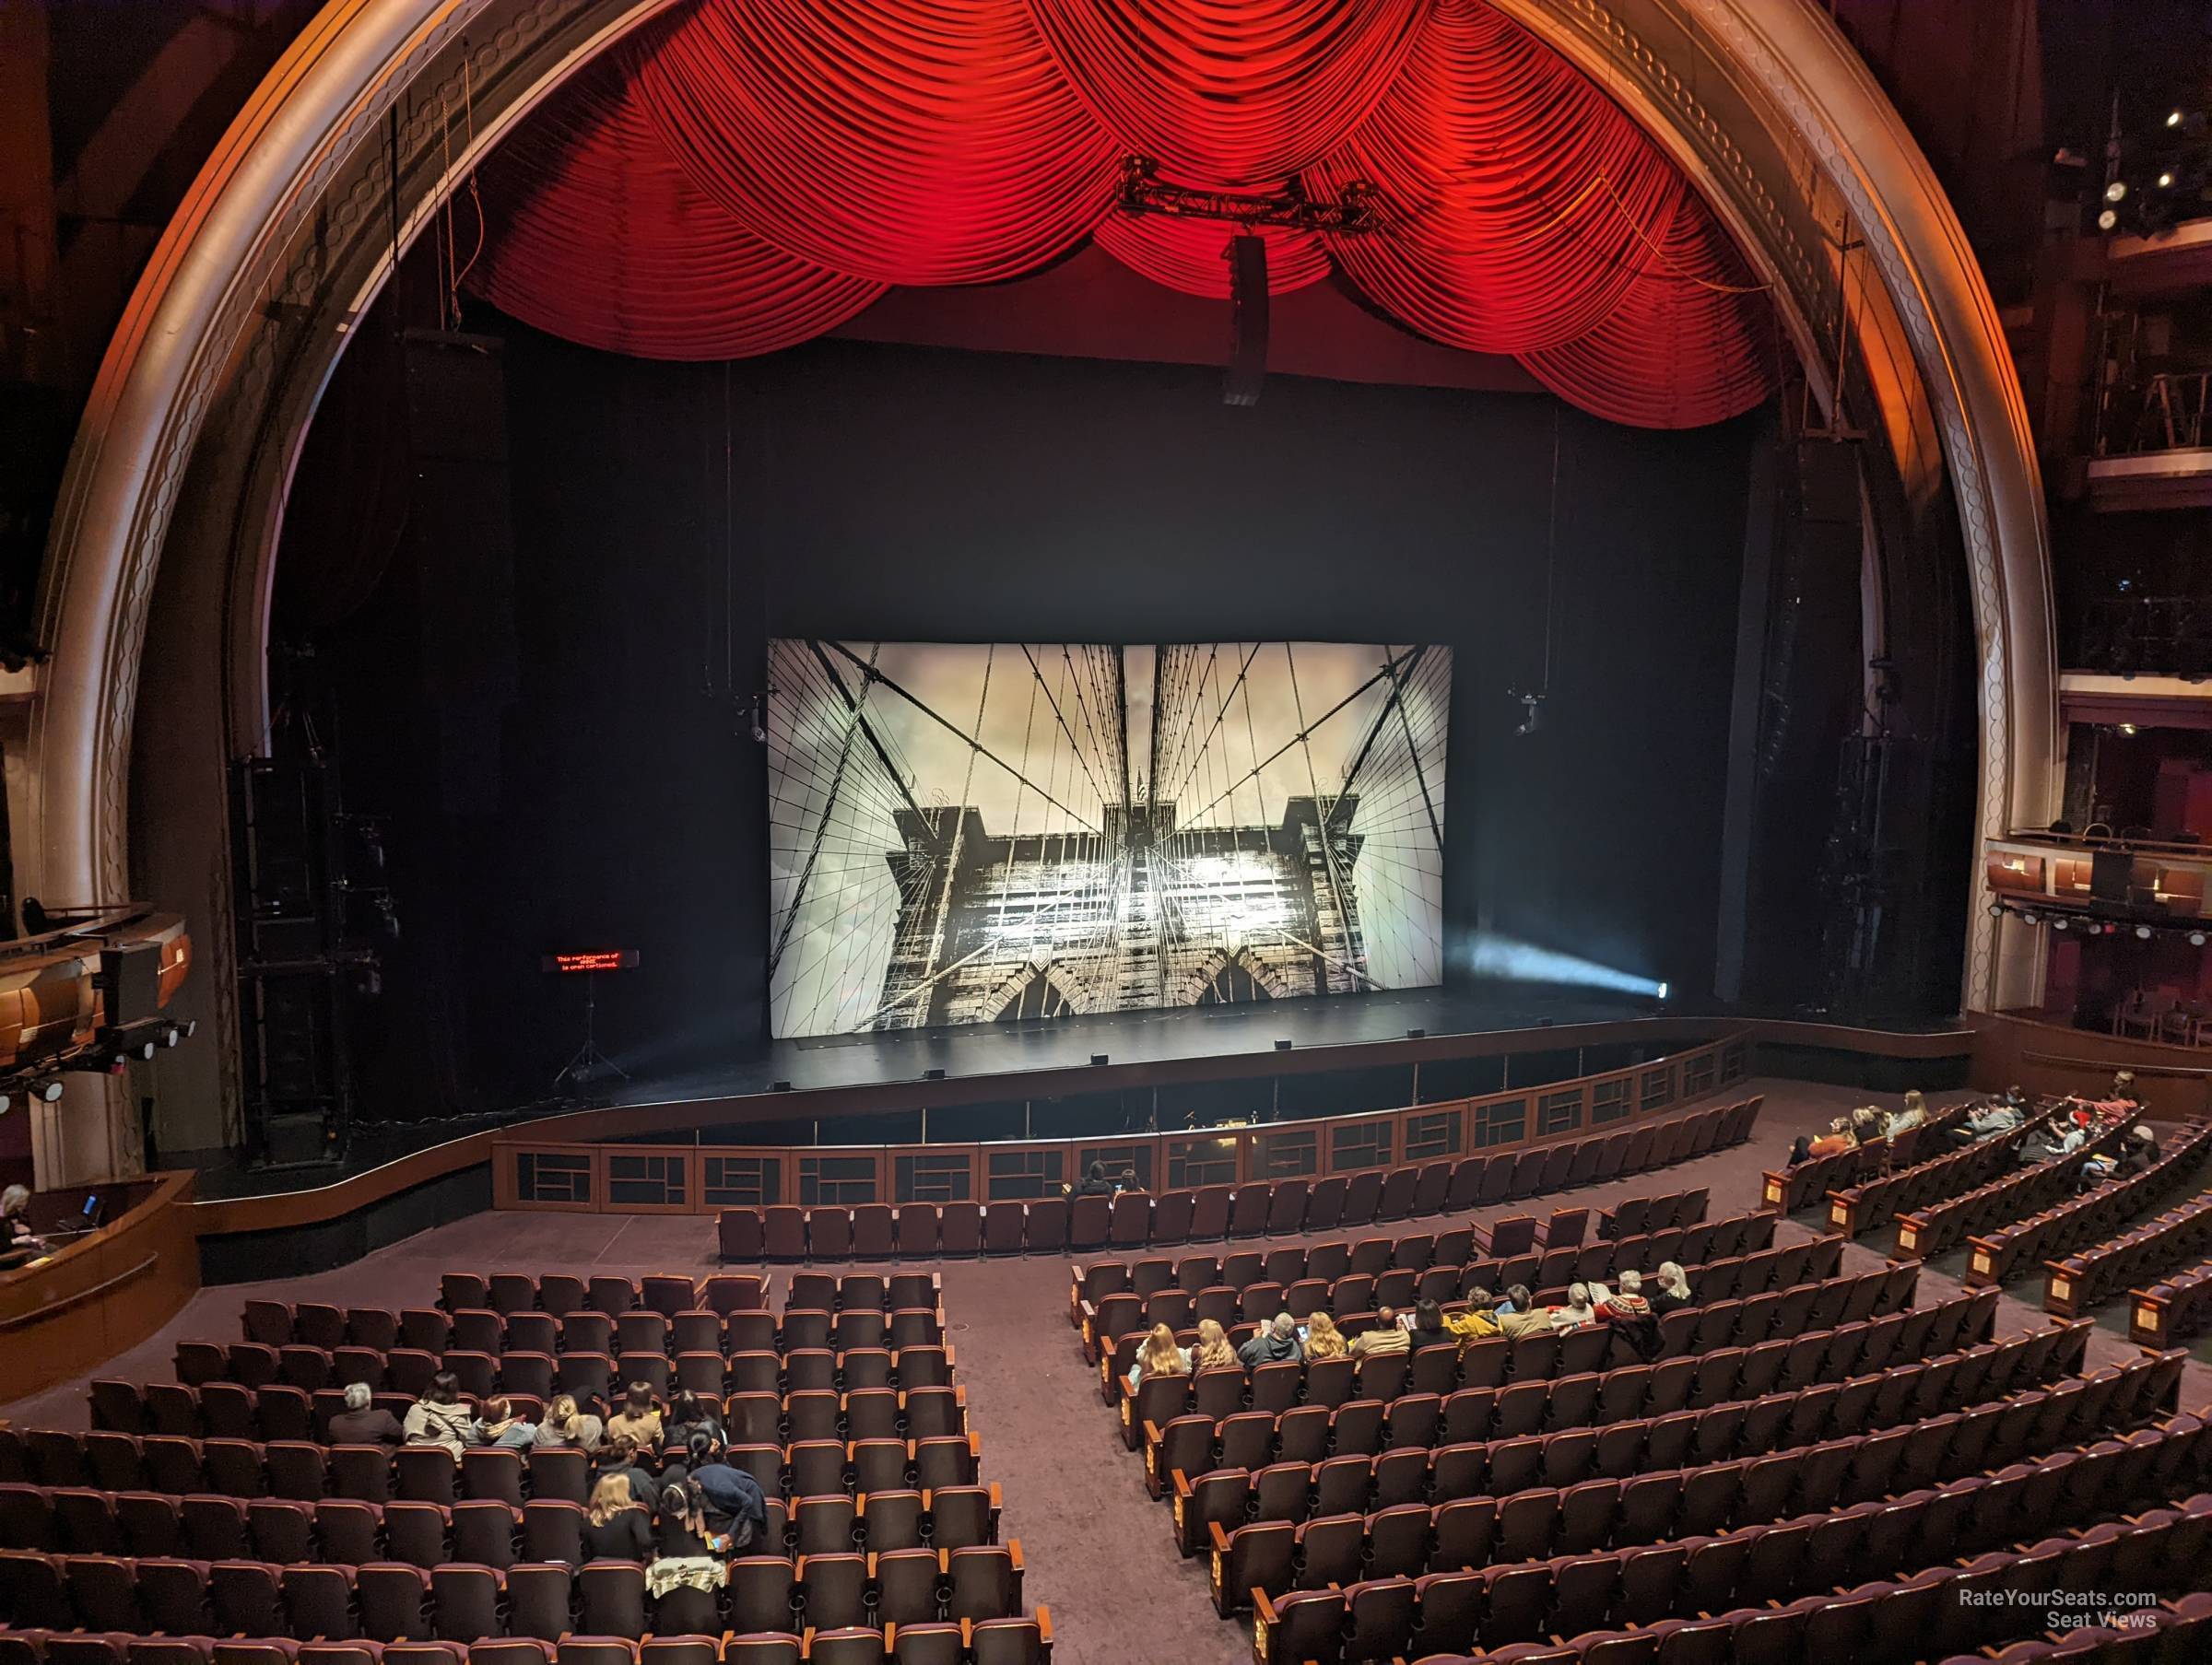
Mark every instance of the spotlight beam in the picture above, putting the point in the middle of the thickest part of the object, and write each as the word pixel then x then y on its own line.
pixel 1508 959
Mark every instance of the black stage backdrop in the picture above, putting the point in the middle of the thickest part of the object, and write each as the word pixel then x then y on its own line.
pixel 669 518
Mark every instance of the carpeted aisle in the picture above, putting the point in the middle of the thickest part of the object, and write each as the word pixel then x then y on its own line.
pixel 1097 1548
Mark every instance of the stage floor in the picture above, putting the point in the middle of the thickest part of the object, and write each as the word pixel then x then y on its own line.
pixel 1000 1049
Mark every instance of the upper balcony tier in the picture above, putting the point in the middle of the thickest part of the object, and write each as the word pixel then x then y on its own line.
pixel 2107 881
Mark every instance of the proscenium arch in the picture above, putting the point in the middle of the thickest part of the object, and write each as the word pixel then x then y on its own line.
pixel 165 527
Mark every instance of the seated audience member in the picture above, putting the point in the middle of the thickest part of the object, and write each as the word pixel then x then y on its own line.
pixel 1517 1299
pixel 683 1530
pixel 687 1416
pixel 621 1456
pixel 736 1507
pixel 1514 1325
pixel 439 1418
pixel 1866 1124
pixel 360 1424
pixel 616 1527
pixel 1913 1115
pixel 2123 1089
pixel 1624 1302
pixel 1479 1320
pixel 1160 1357
pixel 1835 1142
pixel 1095 1183
pixel 1275 1343
pixel 1578 1313
pixel 1427 1328
pixel 1801 1150
pixel 638 1420
pixel 1670 1289
pixel 703 1447
pixel 566 1426
pixel 1127 1183
pixel 1998 1116
pixel 497 1424
pixel 1213 1351
pixel 1387 1336
pixel 1322 1339
pixel 15 1220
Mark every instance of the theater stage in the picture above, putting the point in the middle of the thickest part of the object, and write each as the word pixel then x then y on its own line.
pixel 1042 1057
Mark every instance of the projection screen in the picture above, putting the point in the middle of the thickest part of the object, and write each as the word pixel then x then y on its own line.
pixel 965 834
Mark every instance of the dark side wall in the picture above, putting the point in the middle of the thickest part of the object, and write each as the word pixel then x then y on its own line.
pixel 669 518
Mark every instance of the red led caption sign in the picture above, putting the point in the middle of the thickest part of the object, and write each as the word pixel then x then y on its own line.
pixel 599 959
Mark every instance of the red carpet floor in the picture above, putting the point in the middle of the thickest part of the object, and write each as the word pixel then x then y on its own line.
pixel 1097 1548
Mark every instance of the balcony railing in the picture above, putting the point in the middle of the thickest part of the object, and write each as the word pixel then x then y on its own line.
pixel 2170 635
pixel 2113 881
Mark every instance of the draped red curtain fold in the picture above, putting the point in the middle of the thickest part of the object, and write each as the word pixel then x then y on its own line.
pixel 748 173
pixel 594 233
pixel 1230 94
pixel 907 141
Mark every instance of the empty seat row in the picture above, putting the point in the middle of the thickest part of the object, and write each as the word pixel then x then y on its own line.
pixel 2091 1276
pixel 2011 1249
pixel 1259 1208
pixel 484 1333
pixel 395 1602
pixel 562 1292
pixel 1570 1434
pixel 1651 1603
pixel 1876 1201
pixel 491 1329
pixel 348 1533
pixel 2174 1309
pixel 1458 1250
pixel 1647 1508
pixel 1027 1641
pixel 1800 1187
pixel 1536 1402
pixel 1631 1217
pixel 238 1468
pixel 283 1411
pixel 1736 1322
pixel 1945 1225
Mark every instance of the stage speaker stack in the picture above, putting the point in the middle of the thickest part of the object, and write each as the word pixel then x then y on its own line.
pixel 1247 256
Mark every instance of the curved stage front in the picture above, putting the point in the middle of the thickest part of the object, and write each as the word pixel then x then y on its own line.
pixel 694 1152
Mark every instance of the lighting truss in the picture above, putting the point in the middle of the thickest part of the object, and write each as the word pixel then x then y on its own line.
pixel 1143 192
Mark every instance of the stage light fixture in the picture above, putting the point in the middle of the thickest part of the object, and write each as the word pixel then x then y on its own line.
pixel 2196 939
pixel 2166 181
pixel 1996 910
pixel 47 1091
pixel 2107 220
pixel 2174 118
pixel 2143 931
pixel 2116 192
pixel 2030 919
pixel 1663 990
pixel 2058 924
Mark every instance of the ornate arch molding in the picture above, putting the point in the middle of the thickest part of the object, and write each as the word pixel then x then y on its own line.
pixel 167 523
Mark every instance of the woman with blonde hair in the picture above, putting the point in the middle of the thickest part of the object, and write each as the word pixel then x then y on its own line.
pixel 1323 1339
pixel 1213 1351
pixel 616 1525
pixel 566 1426
pixel 1160 1357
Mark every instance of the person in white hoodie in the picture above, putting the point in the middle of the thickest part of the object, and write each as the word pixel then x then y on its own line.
pixel 439 1418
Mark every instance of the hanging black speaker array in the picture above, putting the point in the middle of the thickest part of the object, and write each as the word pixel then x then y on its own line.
pixel 1247 256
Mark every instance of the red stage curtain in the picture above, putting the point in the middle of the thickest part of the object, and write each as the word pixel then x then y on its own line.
pixel 906 141
pixel 1187 254
pixel 1695 341
pixel 1230 94
pixel 594 234
pixel 1512 189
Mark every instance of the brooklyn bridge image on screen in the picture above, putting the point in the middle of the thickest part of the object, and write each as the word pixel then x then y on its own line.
pixel 966 834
